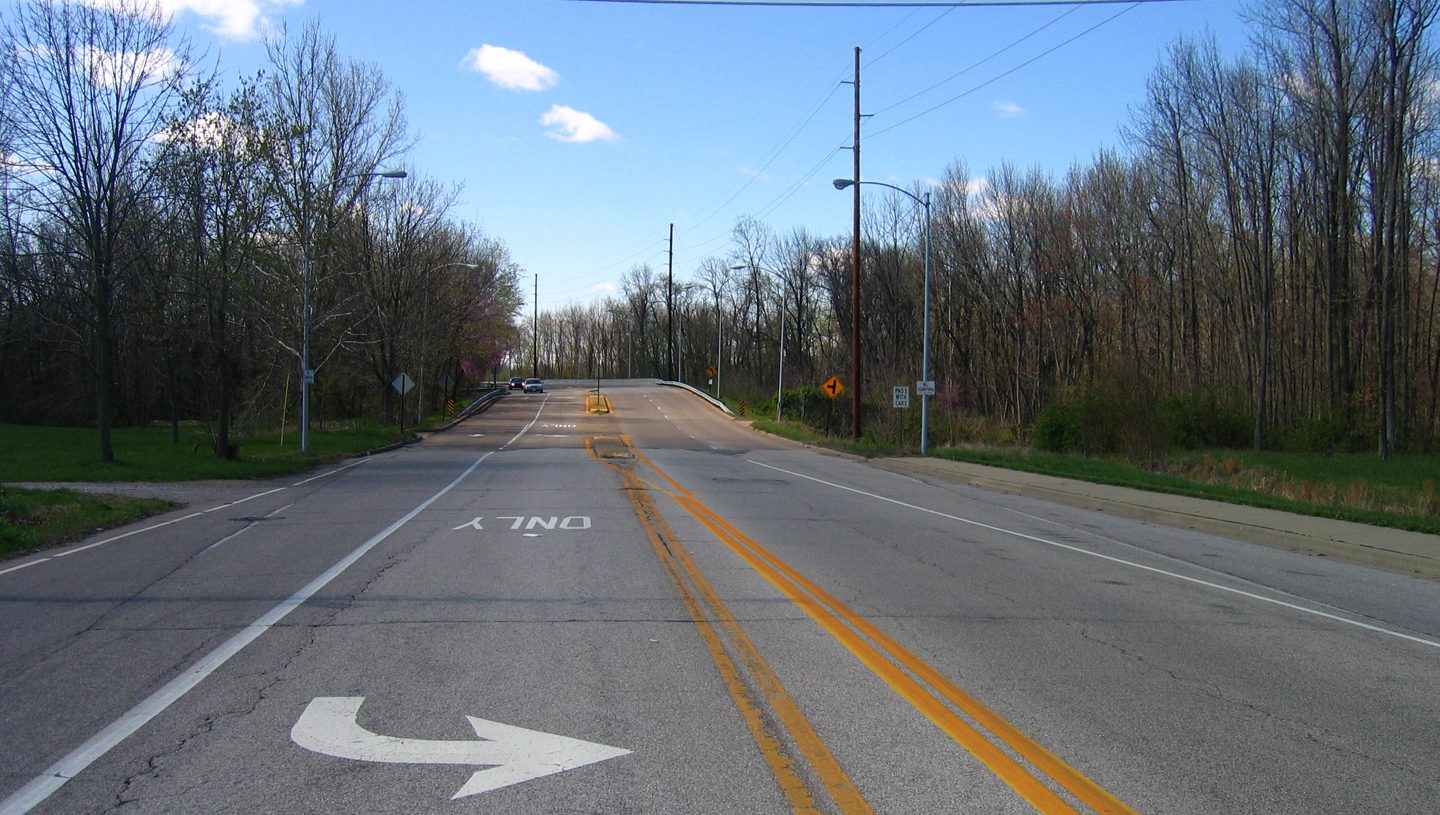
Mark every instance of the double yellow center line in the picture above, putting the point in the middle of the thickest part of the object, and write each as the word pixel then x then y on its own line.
pixel 919 684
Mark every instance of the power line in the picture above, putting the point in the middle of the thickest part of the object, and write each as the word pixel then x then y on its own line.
pixel 879 3
pixel 972 66
pixel 998 77
pixel 917 33
pixel 775 154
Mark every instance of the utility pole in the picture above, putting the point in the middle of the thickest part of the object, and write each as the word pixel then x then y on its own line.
pixel 670 311
pixel 855 274
pixel 535 332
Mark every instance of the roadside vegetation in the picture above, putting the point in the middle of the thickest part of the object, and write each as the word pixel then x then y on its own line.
pixel 37 519
pixel 1241 298
pixel 242 230
pixel 30 453
pixel 1397 492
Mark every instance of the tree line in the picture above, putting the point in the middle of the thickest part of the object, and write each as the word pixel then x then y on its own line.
pixel 168 242
pixel 1257 267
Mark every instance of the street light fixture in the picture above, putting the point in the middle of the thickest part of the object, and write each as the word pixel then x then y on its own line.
pixel 780 384
pixel 842 183
pixel 307 374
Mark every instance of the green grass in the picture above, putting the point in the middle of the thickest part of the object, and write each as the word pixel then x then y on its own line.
pixel 809 435
pixel 1399 493
pixel 36 519
pixel 29 453
pixel 1273 482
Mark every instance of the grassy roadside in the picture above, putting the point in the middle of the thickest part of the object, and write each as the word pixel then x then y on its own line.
pixel 37 519
pixel 1398 493
pixel 30 453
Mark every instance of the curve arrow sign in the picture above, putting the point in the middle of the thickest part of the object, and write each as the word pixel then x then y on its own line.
pixel 328 726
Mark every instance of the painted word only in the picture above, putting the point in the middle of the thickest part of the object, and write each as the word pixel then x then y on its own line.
pixel 534 521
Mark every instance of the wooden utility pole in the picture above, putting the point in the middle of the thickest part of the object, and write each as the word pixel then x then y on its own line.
pixel 670 311
pixel 855 274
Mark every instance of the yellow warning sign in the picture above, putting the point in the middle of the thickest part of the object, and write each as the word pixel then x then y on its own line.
pixel 834 387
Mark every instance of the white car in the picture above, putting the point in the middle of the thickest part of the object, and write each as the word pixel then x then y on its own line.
pixel 533 385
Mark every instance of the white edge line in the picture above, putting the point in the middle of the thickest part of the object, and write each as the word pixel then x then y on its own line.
pixel 24 565
pixel 114 538
pixel 1196 580
pixel 517 435
pixel 55 776
pixel 332 472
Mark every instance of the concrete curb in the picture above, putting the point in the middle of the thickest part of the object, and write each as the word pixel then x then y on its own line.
pixel 1394 550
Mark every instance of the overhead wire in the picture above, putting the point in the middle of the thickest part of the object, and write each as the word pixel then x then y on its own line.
pixel 775 154
pixel 789 192
pixel 878 3
pixel 915 34
pixel 998 77
pixel 972 66
pixel 772 155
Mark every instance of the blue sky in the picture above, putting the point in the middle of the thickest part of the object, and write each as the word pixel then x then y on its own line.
pixel 584 129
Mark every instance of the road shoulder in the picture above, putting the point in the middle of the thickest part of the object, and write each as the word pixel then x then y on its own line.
pixel 1394 550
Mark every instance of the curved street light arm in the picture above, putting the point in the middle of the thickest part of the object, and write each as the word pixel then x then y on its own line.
pixel 842 183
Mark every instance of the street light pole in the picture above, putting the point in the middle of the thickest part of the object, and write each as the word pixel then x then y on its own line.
pixel 307 374
pixel 842 183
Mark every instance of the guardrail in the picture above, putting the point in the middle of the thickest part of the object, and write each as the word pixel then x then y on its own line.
pixel 483 401
pixel 702 394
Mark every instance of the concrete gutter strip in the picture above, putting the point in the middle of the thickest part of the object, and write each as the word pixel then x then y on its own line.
pixel 1395 550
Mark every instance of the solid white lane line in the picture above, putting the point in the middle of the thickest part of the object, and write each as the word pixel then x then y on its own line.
pixel 332 472
pixel 124 535
pixel 55 776
pixel 528 426
pixel 1112 559
pixel 25 565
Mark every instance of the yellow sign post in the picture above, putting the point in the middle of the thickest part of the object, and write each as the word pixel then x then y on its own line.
pixel 834 387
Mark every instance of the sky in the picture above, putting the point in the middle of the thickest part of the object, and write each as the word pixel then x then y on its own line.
pixel 580 131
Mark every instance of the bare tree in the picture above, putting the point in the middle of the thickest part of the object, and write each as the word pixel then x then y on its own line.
pixel 329 124
pixel 87 89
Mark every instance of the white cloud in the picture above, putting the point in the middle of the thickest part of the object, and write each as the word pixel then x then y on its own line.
pixel 604 288
pixel 510 69
pixel 1009 110
pixel 574 126
pixel 15 165
pixel 237 19
pixel 756 173
pixel 212 131
pixel 112 69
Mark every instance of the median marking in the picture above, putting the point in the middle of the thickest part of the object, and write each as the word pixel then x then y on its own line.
pixel 684 573
pixel 886 658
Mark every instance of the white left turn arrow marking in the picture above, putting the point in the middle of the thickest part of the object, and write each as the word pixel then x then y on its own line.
pixel 328 726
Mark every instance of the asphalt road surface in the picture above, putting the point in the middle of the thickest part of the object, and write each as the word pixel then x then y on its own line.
pixel 661 610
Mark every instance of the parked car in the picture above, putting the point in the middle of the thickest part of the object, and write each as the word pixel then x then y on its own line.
pixel 533 385
pixel 516 383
